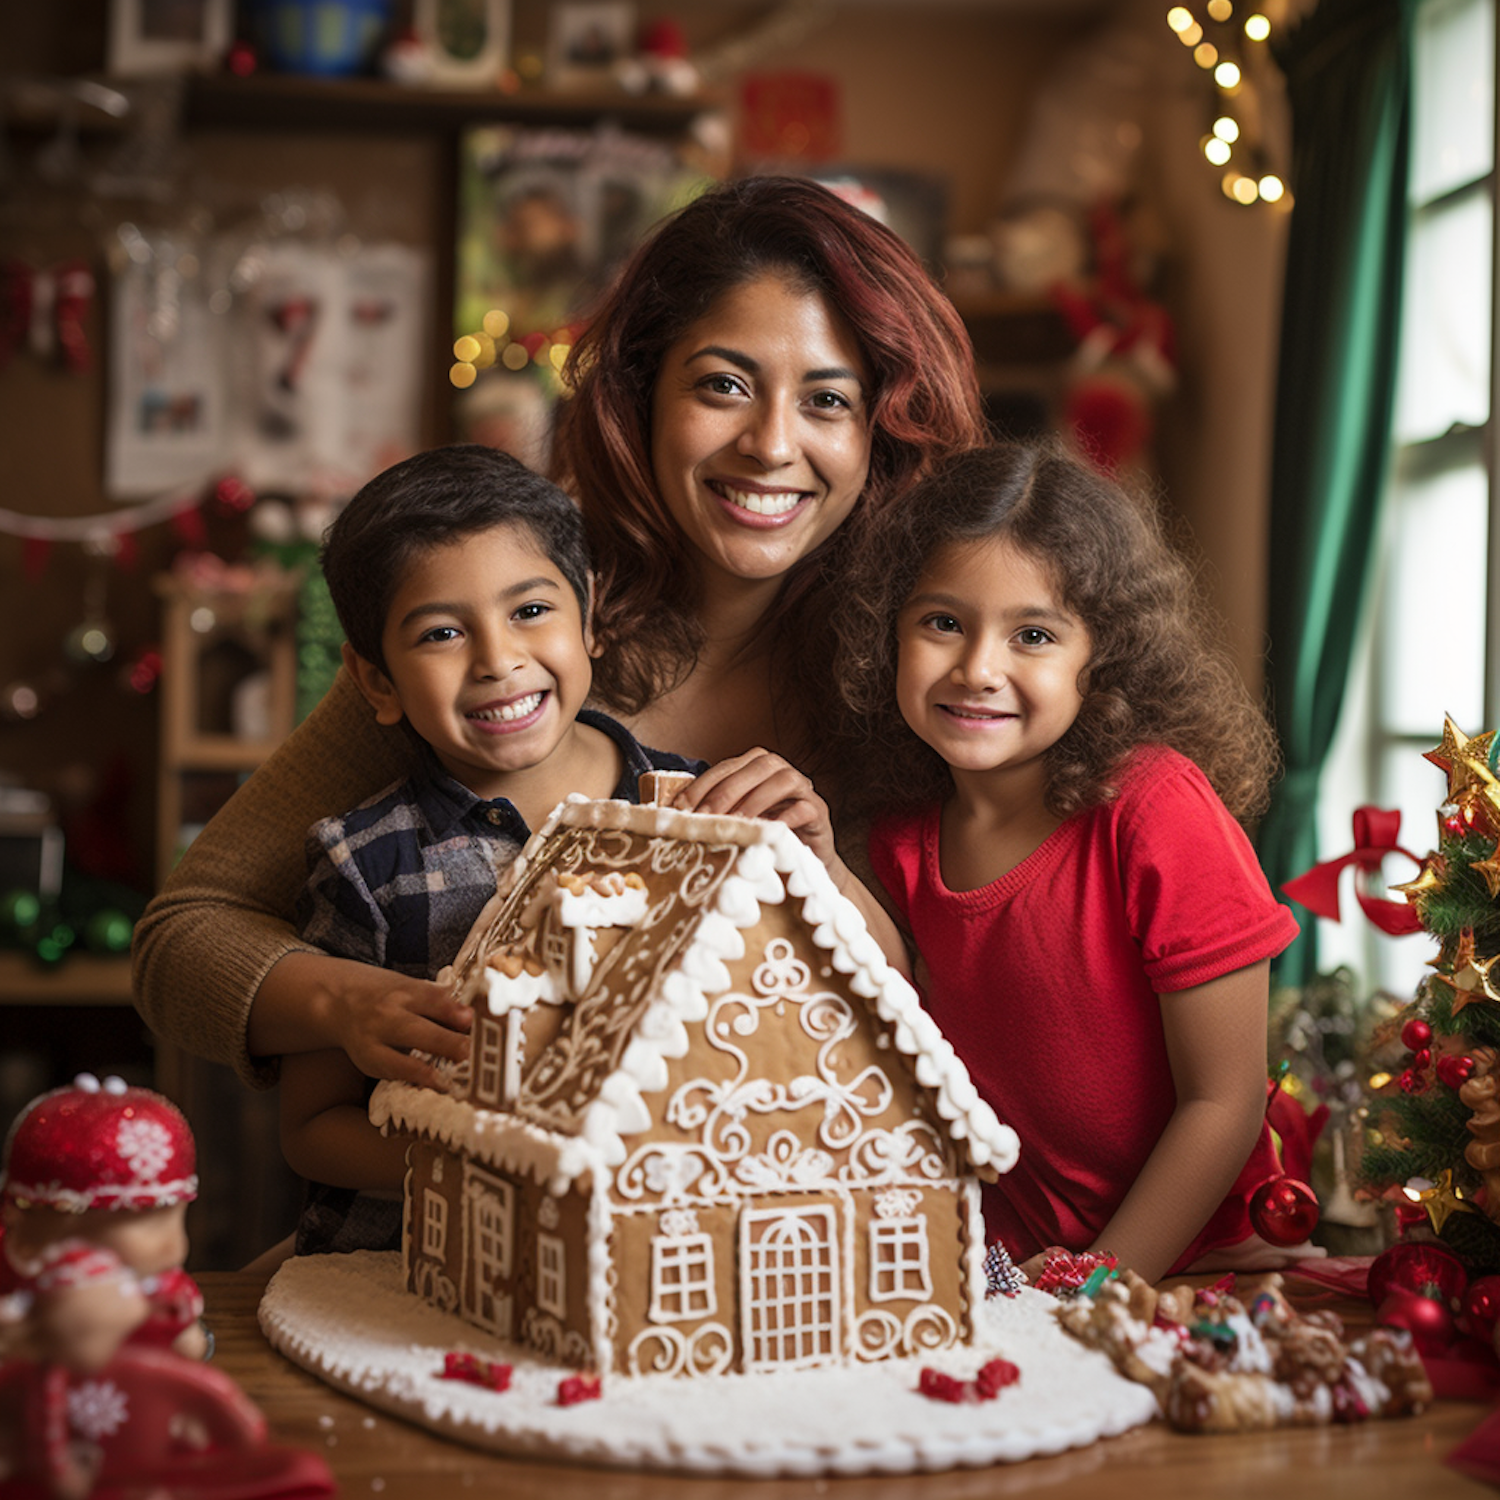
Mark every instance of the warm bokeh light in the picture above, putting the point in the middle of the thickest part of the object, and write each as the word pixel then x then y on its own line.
pixel 515 357
pixel 1227 75
pixel 462 376
pixel 1272 188
pixel 1216 150
pixel 1244 190
pixel 496 323
pixel 1220 10
pixel 1205 54
pixel 1257 27
pixel 1192 36
pixel 1179 18
pixel 1227 128
pixel 466 348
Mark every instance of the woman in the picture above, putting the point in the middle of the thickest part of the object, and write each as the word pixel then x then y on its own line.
pixel 772 367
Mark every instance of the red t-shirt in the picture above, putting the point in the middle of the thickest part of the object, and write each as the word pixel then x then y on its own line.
pixel 1046 982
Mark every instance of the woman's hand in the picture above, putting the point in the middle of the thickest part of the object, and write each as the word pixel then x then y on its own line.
pixel 380 1019
pixel 761 784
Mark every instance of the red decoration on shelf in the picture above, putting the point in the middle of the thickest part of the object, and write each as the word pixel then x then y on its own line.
pixel 575 1388
pixel 939 1387
pixel 1427 1319
pixel 1481 1307
pixel 1411 1266
pixel 1283 1211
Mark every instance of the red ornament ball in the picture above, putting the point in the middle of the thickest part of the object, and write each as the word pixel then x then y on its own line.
pixel 1428 1321
pixel 1454 1071
pixel 1416 1034
pixel 1283 1211
pixel 1482 1307
pixel 1411 1266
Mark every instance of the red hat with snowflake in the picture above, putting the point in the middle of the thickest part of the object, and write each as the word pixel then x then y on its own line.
pixel 99 1145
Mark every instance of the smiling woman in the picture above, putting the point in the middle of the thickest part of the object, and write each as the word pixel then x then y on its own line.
pixel 772 369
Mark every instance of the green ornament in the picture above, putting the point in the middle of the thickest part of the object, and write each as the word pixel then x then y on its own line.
pixel 19 909
pixel 52 946
pixel 108 931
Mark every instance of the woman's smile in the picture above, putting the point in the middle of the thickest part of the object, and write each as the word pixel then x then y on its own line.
pixel 760 424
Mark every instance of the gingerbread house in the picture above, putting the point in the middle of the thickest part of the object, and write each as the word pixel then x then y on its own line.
pixel 704 1126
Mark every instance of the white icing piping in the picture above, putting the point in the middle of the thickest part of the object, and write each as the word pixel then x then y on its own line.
pixel 601 1256
pixel 492 1136
pixel 771 853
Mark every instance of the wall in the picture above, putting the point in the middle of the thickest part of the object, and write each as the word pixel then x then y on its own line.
pixel 939 86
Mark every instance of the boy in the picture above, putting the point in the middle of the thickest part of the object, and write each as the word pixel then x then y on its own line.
pixel 461 580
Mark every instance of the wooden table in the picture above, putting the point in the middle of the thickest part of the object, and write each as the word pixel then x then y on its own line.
pixel 376 1455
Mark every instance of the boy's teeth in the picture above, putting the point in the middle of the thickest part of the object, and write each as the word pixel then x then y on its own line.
pixel 517 710
pixel 762 505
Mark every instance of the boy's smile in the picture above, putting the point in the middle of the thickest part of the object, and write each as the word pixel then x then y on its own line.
pixel 990 659
pixel 488 659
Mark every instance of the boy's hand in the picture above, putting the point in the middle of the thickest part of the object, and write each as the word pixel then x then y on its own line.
pixel 760 784
pixel 384 1021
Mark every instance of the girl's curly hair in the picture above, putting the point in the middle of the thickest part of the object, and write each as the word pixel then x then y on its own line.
pixel 1157 671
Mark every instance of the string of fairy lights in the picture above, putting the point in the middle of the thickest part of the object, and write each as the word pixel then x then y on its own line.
pixel 1231 47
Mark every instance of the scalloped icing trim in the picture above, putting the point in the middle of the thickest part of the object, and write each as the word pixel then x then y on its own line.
pixel 773 864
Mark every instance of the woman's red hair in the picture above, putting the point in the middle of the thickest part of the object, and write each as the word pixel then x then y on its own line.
pixel 924 405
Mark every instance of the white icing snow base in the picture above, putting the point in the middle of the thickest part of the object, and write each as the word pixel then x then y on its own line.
pixel 348 1320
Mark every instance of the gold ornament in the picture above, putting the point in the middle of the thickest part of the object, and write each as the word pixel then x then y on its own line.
pixel 1464 759
pixel 1441 1200
pixel 1427 880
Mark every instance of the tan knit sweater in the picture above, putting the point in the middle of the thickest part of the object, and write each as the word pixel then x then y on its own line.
pixel 225 914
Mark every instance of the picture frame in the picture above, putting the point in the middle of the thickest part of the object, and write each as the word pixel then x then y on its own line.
pixel 586 38
pixel 467 42
pixel 148 38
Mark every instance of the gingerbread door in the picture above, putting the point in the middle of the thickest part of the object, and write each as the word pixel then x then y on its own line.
pixel 791 1315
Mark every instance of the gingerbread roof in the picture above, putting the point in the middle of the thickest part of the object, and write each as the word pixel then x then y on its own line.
pixel 589 1090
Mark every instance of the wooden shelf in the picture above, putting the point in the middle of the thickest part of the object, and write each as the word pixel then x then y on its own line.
pixel 289 102
pixel 80 979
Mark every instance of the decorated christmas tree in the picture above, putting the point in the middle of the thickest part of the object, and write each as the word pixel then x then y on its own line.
pixel 1433 1139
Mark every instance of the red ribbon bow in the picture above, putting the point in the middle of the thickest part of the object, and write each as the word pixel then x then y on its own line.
pixel 1375 832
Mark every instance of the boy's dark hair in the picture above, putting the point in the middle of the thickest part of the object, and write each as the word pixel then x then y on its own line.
pixel 1157 670
pixel 429 500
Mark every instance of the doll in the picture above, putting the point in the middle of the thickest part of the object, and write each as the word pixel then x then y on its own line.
pixel 102 1381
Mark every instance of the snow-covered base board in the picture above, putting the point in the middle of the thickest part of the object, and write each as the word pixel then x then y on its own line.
pixel 347 1319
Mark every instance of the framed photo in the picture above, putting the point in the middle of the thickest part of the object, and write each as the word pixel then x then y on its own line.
pixel 586 39
pixel 467 41
pixel 149 37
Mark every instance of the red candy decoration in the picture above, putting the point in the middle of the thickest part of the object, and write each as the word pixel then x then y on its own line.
pixel 575 1388
pixel 1416 1034
pixel 994 1377
pixel 1283 1211
pixel 1428 1321
pixel 1431 1270
pixel 988 1382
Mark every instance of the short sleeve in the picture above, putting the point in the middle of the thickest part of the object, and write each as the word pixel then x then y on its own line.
pixel 1197 900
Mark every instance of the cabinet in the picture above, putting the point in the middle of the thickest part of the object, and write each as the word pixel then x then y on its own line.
pixel 228 697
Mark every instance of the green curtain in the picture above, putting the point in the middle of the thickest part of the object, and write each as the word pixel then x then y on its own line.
pixel 1348 68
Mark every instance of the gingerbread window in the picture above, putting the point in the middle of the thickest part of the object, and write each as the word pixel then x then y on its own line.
pixel 899 1260
pixel 682 1278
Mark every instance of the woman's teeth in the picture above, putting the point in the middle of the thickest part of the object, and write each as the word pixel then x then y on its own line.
pixel 762 505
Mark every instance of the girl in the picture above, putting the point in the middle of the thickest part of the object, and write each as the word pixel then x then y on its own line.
pixel 1060 770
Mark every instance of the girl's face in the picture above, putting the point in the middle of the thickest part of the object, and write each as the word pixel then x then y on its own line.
pixel 760 429
pixel 990 659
